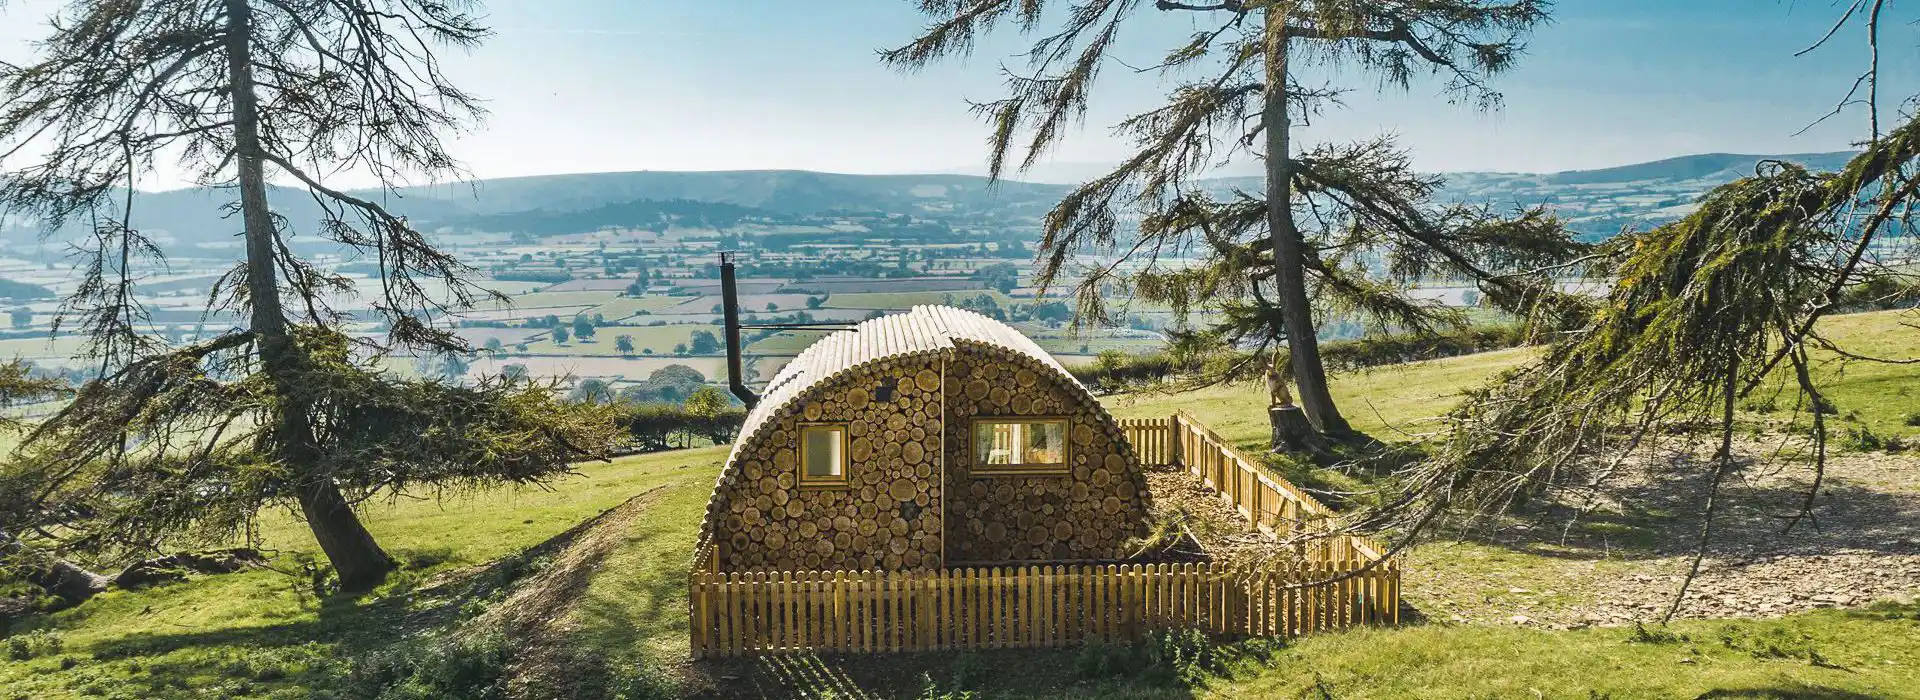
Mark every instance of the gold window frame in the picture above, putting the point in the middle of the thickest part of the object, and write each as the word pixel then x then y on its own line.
pixel 800 457
pixel 1065 466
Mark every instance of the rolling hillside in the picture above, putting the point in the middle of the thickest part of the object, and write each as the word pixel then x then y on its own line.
pixel 1597 202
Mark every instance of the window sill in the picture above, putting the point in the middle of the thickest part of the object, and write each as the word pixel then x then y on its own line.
pixel 1023 471
pixel 824 485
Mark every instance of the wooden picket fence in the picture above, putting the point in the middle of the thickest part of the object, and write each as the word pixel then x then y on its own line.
pixel 1032 606
pixel 1341 582
pixel 1269 503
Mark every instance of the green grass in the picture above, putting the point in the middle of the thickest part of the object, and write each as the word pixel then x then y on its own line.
pixel 627 306
pixel 1385 402
pixel 661 338
pixel 549 300
pixel 260 634
pixel 41 346
pixel 904 300
pixel 1829 654
pixel 1398 401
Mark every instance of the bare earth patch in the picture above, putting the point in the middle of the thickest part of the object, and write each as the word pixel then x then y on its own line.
pixel 1624 561
pixel 535 616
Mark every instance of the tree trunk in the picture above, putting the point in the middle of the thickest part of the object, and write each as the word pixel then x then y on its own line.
pixel 1291 430
pixel 1296 311
pixel 71 582
pixel 356 558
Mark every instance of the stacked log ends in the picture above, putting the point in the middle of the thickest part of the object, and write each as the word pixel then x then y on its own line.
pixel 888 513
pixel 1088 513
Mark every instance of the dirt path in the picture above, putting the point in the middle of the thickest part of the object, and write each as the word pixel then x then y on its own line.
pixel 1624 562
pixel 536 615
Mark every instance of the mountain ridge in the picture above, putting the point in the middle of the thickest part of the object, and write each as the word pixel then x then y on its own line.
pixel 1596 201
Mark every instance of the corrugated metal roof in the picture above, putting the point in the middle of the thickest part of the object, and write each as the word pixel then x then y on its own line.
pixel 922 330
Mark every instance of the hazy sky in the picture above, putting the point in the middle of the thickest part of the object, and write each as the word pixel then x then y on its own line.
pixel 605 85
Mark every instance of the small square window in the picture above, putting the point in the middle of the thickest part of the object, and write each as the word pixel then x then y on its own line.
pixel 1019 445
pixel 823 455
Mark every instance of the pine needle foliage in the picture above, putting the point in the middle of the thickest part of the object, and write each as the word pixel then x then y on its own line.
pixel 188 443
pixel 1339 229
pixel 1703 312
pixel 165 452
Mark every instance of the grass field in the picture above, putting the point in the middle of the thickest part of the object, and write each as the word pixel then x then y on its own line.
pixel 661 339
pixel 259 634
pixel 1399 401
pixel 615 309
pixel 527 303
pixel 905 300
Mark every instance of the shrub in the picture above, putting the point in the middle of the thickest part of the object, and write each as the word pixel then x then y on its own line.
pixel 466 669
pixel 21 647
pixel 1860 439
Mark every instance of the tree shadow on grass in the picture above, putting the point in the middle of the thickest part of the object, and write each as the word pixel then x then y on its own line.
pixel 1787 692
pixel 1658 514
pixel 1001 673
pixel 320 652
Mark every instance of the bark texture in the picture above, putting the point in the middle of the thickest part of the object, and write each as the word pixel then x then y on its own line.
pixel 357 559
pixel 1296 310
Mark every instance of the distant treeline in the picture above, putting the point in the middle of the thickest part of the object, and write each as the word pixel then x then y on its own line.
pixel 1113 371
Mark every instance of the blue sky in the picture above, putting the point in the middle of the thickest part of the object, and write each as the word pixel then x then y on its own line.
pixel 604 85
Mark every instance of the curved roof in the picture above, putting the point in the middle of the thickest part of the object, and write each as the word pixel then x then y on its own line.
pixel 922 330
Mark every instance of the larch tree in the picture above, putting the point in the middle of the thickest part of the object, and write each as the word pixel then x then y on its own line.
pixel 19 560
pixel 175 444
pixel 1345 228
pixel 1703 314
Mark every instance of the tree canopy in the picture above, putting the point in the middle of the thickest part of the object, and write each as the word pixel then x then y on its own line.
pixel 1339 229
pixel 176 444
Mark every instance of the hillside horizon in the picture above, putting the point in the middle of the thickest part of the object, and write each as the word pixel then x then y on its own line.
pixel 1680 163
pixel 1595 203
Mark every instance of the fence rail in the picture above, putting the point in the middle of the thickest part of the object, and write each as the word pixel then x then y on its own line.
pixel 1035 606
pixel 1269 503
pixel 1341 582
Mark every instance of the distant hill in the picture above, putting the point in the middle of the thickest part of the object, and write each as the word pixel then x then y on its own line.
pixel 1598 203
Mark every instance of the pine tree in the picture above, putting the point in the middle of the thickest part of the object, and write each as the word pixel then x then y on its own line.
pixel 1702 314
pixel 288 410
pixel 1239 86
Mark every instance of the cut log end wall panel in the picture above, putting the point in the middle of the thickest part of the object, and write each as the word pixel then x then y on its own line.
pixel 1087 513
pixel 888 513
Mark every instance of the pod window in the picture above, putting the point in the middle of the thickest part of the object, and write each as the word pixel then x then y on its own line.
pixel 1019 445
pixel 823 455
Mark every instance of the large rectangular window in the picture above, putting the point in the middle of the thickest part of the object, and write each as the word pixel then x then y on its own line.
pixel 823 455
pixel 1019 445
